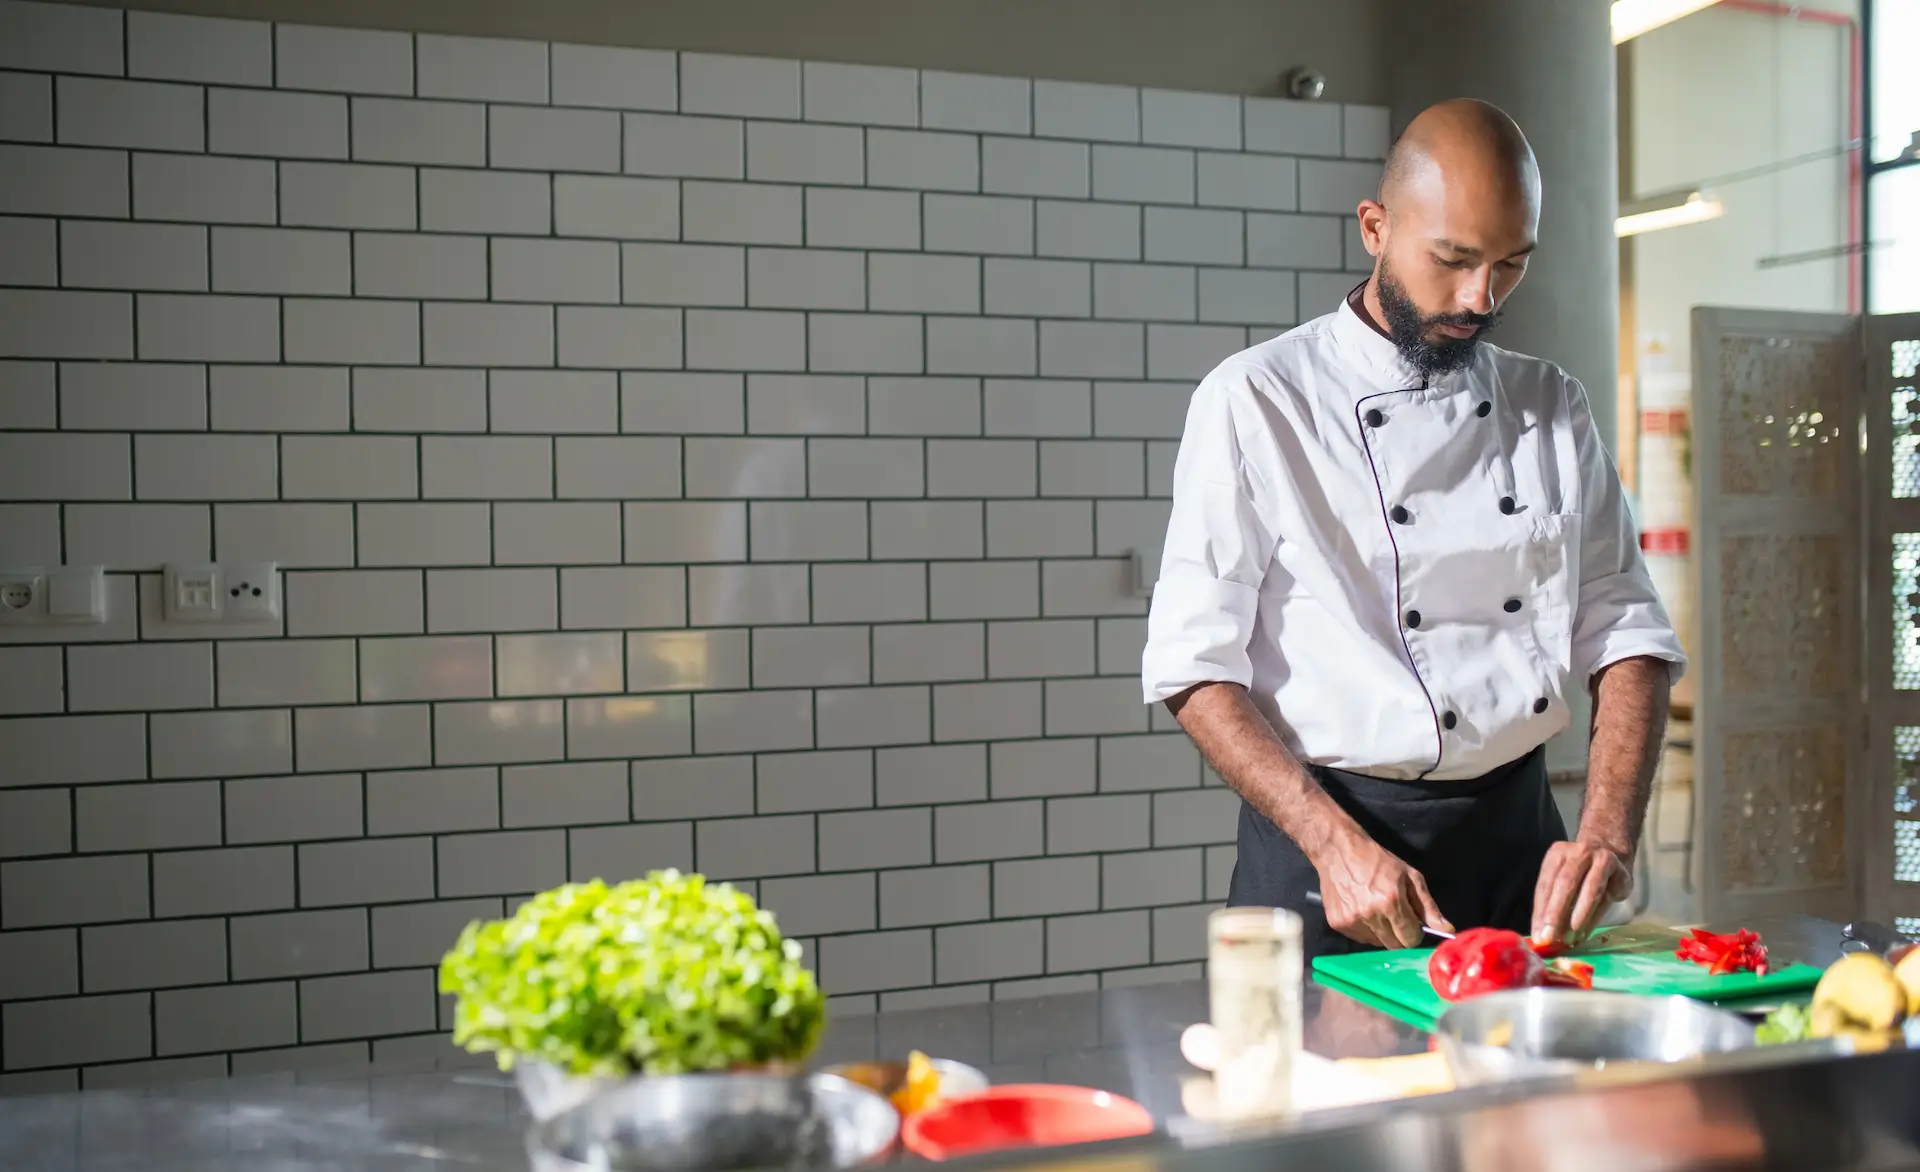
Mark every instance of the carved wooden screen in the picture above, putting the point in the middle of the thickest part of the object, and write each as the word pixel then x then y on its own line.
pixel 1779 783
pixel 1892 819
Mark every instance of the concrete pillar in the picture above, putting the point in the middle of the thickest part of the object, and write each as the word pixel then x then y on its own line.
pixel 1548 63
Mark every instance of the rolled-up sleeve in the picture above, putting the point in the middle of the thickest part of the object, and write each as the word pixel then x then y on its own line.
pixel 1219 542
pixel 1619 615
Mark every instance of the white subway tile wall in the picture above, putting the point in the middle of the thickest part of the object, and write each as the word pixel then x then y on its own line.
pixel 674 460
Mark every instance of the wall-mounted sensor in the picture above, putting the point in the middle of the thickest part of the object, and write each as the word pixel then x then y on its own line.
pixel 1305 84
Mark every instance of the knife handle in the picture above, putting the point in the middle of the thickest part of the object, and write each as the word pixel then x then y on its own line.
pixel 1313 897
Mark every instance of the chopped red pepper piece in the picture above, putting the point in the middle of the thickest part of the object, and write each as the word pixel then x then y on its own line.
pixel 1570 974
pixel 1731 952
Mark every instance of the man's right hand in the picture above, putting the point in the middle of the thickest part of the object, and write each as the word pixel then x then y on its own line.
pixel 1367 893
pixel 1370 895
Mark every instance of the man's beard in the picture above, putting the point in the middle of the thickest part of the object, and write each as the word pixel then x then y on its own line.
pixel 1409 329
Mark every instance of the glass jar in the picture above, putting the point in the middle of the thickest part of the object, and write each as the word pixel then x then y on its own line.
pixel 1253 974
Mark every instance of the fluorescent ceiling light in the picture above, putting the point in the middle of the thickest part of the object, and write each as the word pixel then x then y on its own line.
pixel 1633 17
pixel 1669 210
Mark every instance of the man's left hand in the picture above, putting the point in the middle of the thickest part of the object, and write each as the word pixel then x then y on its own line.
pixel 1578 882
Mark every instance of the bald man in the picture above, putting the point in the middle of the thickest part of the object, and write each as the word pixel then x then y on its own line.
pixel 1394 549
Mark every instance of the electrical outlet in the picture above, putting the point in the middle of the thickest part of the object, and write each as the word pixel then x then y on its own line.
pixel 23 596
pixel 237 592
pixel 250 591
pixel 19 593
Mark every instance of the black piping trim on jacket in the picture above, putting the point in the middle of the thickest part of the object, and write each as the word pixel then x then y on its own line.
pixel 1359 419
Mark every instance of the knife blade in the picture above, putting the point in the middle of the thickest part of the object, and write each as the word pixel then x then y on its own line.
pixel 1313 897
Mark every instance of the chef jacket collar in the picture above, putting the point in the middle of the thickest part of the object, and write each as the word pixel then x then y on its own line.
pixel 1377 359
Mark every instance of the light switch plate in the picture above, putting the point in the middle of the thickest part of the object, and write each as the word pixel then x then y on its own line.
pixel 77 594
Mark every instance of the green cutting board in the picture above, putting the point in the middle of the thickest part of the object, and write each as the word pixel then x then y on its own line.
pixel 1636 958
pixel 1424 1020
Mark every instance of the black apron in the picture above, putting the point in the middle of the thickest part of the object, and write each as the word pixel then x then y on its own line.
pixel 1479 845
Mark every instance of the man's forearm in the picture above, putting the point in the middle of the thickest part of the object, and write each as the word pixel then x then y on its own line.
pixel 1629 724
pixel 1251 758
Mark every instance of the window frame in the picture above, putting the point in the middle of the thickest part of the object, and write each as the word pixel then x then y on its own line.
pixel 1869 170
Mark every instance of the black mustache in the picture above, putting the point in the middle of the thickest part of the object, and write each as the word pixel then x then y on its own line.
pixel 1479 320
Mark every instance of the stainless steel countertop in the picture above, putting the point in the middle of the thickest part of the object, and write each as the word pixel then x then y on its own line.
pixel 451 1114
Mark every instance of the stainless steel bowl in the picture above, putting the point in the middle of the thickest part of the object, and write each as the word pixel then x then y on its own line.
pixel 718 1123
pixel 887 1078
pixel 1533 1033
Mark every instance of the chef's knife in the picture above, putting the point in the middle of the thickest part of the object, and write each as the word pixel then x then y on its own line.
pixel 1313 897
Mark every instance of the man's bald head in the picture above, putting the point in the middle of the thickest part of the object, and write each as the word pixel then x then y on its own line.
pixel 1451 231
pixel 1461 143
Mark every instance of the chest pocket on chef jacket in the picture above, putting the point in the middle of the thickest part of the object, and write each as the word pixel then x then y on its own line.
pixel 1554 550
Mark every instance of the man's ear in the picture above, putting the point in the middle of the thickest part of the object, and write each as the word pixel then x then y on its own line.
pixel 1373 226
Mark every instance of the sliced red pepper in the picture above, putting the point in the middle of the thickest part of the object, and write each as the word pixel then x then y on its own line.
pixel 1731 952
pixel 1568 974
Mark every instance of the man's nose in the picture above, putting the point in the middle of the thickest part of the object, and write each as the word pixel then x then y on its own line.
pixel 1476 292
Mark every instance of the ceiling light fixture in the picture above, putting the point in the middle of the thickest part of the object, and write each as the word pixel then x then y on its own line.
pixel 1633 17
pixel 1668 210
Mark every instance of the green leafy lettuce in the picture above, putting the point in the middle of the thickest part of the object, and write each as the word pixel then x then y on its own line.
pixel 1788 1023
pixel 662 975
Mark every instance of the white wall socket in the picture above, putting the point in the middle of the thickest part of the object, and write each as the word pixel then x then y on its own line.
pixel 53 595
pixel 251 591
pixel 20 592
pixel 234 592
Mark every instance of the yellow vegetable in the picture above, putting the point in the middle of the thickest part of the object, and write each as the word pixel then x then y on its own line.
pixel 1858 990
pixel 922 1085
pixel 1826 1020
pixel 1907 972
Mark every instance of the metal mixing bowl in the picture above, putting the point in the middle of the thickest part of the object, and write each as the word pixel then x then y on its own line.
pixel 1533 1033
pixel 956 1078
pixel 718 1123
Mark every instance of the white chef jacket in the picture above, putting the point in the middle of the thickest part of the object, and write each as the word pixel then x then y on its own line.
pixel 1403 571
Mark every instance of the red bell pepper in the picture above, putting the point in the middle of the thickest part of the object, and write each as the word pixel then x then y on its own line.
pixel 1731 952
pixel 1483 960
pixel 1486 960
